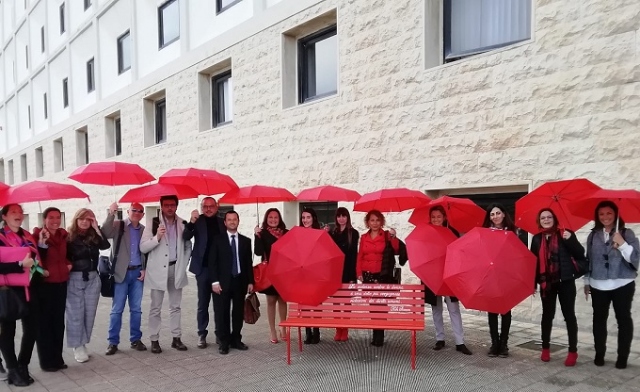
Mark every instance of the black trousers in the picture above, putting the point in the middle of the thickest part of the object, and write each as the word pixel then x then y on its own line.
pixel 493 326
pixel 229 312
pixel 29 333
pixel 621 299
pixel 52 298
pixel 565 292
pixel 204 301
pixel 368 277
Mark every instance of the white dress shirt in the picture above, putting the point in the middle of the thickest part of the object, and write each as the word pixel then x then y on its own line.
pixel 237 260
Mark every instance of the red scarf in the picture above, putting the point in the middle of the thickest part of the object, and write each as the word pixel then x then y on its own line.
pixel 549 266
pixel 275 231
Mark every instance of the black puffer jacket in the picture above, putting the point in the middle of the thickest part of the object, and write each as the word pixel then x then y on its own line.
pixel 84 255
pixel 567 249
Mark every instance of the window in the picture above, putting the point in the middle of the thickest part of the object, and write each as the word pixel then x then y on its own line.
pixel 318 65
pixel 39 162
pixel 10 168
pixel 223 210
pixel 473 26
pixel 221 86
pixel 87 4
pixel 26 56
pixel 42 39
pixel 118 136
pixel 124 52
pixel 82 147
pixel 65 92
pixel 326 212
pixel 161 121
pixel 113 135
pixel 223 5
pixel 29 116
pixel 44 98
pixel 91 83
pixel 23 167
pixel 168 23
pixel 58 155
pixel 61 14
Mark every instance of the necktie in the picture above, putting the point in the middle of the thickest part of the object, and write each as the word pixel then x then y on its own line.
pixel 234 253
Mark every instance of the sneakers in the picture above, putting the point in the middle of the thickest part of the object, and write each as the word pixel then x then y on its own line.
pixel 545 356
pixel 571 360
pixel 80 354
pixel 3 373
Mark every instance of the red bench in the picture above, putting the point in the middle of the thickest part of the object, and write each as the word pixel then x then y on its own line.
pixel 363 306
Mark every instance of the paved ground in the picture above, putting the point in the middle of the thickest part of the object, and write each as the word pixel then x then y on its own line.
pixel 332 366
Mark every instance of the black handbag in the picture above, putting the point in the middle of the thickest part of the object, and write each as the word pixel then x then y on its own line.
pixel 12 307
pixel 107 279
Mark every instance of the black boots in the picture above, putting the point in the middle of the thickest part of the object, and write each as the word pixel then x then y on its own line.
pixel 378 338
pixel 312 335
pixel 503 352
pixel 19 377
pixel 494 350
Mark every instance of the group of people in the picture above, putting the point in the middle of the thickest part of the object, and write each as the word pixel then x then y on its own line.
pixel 66 293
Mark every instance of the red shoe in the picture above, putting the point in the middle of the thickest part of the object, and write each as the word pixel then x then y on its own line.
pixel 571 360
pixel 546 355
pixel 345 334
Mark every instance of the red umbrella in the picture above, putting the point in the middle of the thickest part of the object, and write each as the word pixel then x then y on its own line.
pixel 306 266
pixel 427 248
pixel 257 194
pixel 152 193
pixel 555 195
pixel 462 214
pixel 490 270
pixel 40 191
pixel 206 182
pixel 627 200
pixel 391 200
pixel 3 186
pixel 111 173
pixel 328 193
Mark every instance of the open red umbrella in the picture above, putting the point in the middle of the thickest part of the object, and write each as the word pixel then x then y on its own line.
pixel 153 193
pixel 306 266
pixel 40 191
pixel 490 270
pixel 3 186
pixel 328 193
pixel 627 200
pixel 391 200
pixel 111 173
pixel 462 214
pixel 257 194
pixel 555 195
pixel 427 248
pixel 206 182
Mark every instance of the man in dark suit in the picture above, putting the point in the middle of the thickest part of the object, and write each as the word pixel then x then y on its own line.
pixel 231 273
pixel 204 228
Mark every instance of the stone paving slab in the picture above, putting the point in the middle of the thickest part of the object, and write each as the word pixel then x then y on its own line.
pixel 333 366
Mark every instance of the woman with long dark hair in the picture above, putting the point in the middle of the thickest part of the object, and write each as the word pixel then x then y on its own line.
pixel 557 251
pixel 53 291
pixel 11 234
pixel 498 218
pixel 612 250
pixel 346 237
pixel 83 291
pixel 266 235
pixel 309 219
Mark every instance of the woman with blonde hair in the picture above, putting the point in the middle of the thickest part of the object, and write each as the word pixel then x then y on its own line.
pixel 85 242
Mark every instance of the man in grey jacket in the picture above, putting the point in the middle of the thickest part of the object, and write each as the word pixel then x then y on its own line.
pixel 128 274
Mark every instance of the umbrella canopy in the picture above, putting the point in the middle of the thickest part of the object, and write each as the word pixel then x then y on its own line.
pixel 153 193
pixel 427 248
pixel 391 200
pixel 257 194
pixel 3 186
pixel 627 200
pixel 490 270
pixel 306 266
pixel 206 182
pixel 555 195
pixel 462 214
pixel 40 191
pixel 328 193
pixel 111 173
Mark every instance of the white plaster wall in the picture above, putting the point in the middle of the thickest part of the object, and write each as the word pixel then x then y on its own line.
pixel 83 48
pixel 37 19
pixel 55 39
pixel 39 86
pixel 24 101
pixel 203 29
pixel 58 70
pixel 8 18
pixel 11 127
pixel 112 25
pixel 21 41
pixel 149 57
pixel 78 17
pixel 9 56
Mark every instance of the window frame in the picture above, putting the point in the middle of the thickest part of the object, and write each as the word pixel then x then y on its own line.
pixel 121 38
pixel 87 4
pixel 216 81
pixel 117 136
pixel 61 11
pixel 65 92
pixel 91 75
pixel 303 63
pixel 46 108
pixel 220 9
pixel 42 46
pixel 161 43
pixel 160 121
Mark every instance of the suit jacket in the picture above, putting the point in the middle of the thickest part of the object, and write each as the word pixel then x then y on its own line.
pixel 158 261
pixel 111 229
pixel 221 260
pixel 198 230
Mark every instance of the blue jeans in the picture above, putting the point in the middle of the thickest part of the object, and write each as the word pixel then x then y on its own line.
pixel 130 287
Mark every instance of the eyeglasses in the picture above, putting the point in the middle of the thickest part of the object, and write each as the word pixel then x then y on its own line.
pixel 136 210
pixel 209 207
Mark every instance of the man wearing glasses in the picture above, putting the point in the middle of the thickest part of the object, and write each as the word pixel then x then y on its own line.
pixel 204 228
pixel 128 275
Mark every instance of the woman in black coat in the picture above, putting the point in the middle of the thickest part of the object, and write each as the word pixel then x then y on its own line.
pixel 558 252
pixel 265 236
pixel 347 238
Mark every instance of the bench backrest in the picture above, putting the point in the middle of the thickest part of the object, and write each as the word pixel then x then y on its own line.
pixel 368 301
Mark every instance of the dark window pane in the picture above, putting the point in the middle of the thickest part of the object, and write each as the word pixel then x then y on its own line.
pixel 46 114
pixel 161 122
pixel 124 52
pixel 326 212
pixel 118 136
pixel 318 63
pixel 90 76
pixel 222 99
pixel 169 22
pixel 224 4
pixel 61 13
pixel 65 92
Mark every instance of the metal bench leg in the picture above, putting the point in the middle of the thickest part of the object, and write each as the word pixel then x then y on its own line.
pixel 300 339
pixel 413 350
pixel 288 345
